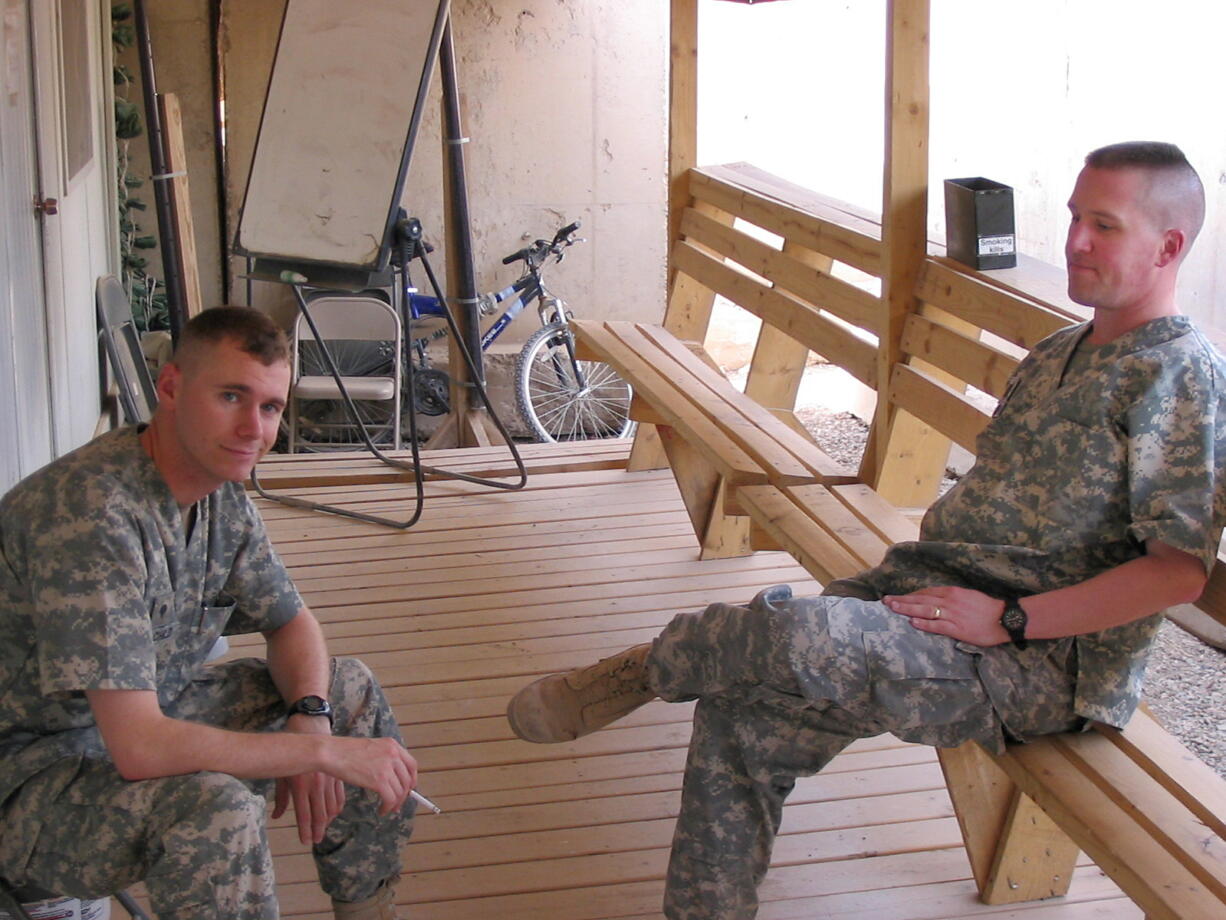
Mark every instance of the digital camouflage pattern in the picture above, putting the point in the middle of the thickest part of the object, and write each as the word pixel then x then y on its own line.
pixel 198 841
pixel 785 684
pixel 1084 461
pixel 1086 458
pixel 101 587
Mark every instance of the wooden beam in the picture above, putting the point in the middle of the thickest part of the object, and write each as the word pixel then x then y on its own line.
pixel 682 113
pixel 181 203
pixel 904 225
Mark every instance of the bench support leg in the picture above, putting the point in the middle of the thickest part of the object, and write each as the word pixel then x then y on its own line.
pixel 647 453
pixel 1016 852
pixel 702 489
pixel 1034 858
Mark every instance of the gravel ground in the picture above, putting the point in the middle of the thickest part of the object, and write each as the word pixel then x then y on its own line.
pixel 1186 684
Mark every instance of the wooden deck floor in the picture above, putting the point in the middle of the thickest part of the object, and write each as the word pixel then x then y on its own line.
pixel 492 588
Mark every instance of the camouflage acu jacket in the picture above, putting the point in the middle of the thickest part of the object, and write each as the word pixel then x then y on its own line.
pixel 102 588
pixel 1082 463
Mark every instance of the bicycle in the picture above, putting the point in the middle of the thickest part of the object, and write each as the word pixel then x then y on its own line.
pixel 559 396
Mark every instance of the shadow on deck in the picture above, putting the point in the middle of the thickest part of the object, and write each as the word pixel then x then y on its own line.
pixel 492 588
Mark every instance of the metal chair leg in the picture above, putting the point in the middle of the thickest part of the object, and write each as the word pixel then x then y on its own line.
pixel 130 905
pixel 10 903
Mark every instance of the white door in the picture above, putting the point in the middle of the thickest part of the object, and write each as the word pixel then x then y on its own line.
pixel 25 385
pixel 74 160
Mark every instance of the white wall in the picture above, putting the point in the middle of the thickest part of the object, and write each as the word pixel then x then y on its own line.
pixel 1021 90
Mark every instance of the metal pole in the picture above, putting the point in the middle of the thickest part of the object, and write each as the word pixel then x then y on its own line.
pixel 172 271
pixel 461 248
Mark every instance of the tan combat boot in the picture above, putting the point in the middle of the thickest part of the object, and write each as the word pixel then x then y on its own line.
pixel 379 906
pixel 566 706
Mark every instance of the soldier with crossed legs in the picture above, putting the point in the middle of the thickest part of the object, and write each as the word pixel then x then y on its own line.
pixel 1029 603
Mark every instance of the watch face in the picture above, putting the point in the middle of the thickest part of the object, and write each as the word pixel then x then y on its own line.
pixel 312 704
pixel 1014 618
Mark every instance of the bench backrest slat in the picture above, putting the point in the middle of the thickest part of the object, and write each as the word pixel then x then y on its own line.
pixel 968 359
pixel 1015 319
pixel 834 237
pixel 846 301
pixel 798 319
pixel 937 404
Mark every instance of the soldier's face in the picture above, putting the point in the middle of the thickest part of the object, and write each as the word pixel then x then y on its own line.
pixel 226 406
pixel 1113 248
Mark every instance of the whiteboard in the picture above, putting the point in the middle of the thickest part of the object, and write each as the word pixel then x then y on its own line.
pixel 342 110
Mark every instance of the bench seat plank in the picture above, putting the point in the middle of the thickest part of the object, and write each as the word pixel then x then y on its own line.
pixel 1170 763
pixel 824 557
pixel 821 505
pixel 764 426
pixel 1163 887
pixel 1162 815
pixel 733 463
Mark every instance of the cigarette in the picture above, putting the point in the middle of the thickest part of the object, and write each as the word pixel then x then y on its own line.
pixel 425 801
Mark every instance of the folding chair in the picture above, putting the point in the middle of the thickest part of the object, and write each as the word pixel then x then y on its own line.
pixel 137 395
pixel 12 899
pixel 364 336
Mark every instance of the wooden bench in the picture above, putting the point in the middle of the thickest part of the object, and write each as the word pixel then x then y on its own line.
pixel 1144 808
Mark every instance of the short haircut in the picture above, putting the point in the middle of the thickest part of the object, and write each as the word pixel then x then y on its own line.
pixel 1176 196
pixel 253 332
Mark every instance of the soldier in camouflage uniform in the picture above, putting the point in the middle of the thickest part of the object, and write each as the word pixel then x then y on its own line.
pixel 122 756
pixel 1028 605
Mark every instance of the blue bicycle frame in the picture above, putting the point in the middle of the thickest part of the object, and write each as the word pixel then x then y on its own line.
pixel 525 290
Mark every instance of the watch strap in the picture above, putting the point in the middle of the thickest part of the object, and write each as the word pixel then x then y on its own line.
pixel 1014 621
pixel 311 705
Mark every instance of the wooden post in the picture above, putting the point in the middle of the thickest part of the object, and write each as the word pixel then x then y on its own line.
pixel 648 453
pixel 682 115
pixel 180 205
pixel 904 232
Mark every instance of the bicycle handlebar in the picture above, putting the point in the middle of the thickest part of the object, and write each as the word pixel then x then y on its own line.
pixel 535 254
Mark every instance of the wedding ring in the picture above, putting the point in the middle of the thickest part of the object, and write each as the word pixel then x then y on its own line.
pixel 936 613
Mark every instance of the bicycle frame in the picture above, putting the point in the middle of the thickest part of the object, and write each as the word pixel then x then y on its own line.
pixel 528 288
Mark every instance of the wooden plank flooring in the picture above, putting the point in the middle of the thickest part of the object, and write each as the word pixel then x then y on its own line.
pixel 493 588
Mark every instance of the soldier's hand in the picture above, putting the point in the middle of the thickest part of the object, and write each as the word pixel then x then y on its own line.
pixel 379 764
pixel 960 613
pixel 317 797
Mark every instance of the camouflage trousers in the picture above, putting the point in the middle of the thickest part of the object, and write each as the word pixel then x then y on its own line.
pixel 782 686
pixel 199 841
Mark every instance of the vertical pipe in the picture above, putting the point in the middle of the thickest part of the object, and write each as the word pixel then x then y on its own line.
pixel 216 29
pixel 171 270
pixel 460 248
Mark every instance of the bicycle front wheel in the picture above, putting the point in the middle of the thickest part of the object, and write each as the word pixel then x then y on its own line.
pixel 566 400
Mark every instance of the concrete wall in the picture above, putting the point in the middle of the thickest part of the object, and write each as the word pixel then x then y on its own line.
pixel 564 101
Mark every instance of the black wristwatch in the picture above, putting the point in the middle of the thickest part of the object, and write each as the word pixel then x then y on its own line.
pixel 312 706
pixel 1014 621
